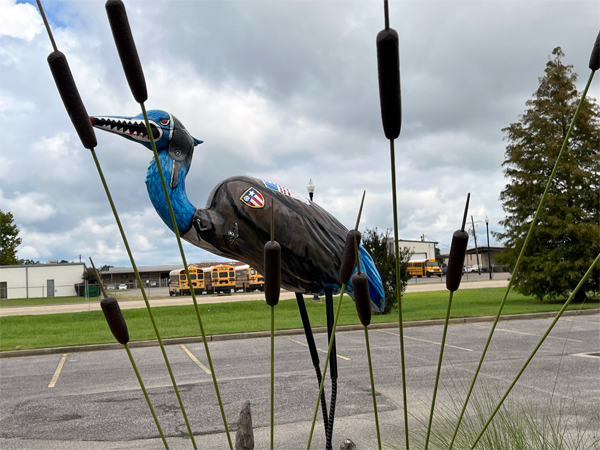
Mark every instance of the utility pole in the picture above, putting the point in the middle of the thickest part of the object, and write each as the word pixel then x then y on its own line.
pixel 476 251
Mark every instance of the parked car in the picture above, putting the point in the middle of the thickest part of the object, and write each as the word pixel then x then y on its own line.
pixel 444 270
pixel 122 287
pixel 110 287
pixel 473 268
pixel 153 283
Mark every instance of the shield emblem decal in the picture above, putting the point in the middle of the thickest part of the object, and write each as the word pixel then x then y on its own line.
pixel 253 198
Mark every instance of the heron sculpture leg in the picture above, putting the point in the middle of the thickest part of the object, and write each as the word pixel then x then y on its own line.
pixel 312 347
pixel 333 364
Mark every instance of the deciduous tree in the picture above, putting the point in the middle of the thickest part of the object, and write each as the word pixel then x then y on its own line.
pixel 381 249
pixel 9 240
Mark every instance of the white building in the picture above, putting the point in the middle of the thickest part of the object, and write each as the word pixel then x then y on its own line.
pixel 421 250
pixel 40 280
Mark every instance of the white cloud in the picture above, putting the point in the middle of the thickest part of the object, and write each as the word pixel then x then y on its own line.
pixel 29 207
pixel 277 96
pixel 20 20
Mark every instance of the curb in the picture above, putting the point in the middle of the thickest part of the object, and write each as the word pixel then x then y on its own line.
pixel 262 334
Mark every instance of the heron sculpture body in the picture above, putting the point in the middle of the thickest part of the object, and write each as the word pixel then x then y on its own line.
pixel 237 218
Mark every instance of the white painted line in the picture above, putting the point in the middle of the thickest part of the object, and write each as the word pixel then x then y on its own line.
pixel 522 332
pixel 202 366
pixel 580 320
pixel 323 351
pixel 423 340
pixel 586 355
pixel 57 371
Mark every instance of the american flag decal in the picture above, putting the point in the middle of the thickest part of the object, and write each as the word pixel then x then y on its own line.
pixel 253 198
pixel 285 191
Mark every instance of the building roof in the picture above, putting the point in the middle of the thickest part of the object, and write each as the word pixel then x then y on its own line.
pixel 43 265
pixel 480 249
pixel 165 267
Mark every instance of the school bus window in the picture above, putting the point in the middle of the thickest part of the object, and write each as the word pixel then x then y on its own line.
pixel 222 274
pixel 182 277
pixel 192 276
pixel 252 272
pixel 201 276
pixel 232 274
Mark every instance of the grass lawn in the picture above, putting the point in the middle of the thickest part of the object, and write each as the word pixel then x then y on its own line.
pixel 57 330
pixel 119 295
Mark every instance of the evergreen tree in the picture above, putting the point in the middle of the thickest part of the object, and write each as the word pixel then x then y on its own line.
pixel 380 247
pixel 566 238
pixel 9 240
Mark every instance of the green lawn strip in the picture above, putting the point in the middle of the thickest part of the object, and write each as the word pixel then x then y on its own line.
pixel 119 295
pixel 58 330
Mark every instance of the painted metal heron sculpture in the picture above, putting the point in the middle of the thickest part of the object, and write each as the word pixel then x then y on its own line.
pixel 236 223
pixel 236 220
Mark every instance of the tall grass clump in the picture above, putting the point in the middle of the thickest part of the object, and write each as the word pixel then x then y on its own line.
pixel 518 425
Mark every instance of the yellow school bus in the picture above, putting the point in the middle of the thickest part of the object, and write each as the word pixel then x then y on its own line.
pixel 178 283
pixel 427 267
pixel 248 279
pixel 222 278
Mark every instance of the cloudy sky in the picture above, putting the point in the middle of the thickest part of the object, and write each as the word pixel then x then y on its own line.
pixel 281 90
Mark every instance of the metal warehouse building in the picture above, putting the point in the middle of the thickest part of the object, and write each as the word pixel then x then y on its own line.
pixel 40 280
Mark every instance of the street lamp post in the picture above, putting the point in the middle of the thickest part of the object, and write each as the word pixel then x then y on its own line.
pixel 487 228
pixel 310 187
pixel 476 250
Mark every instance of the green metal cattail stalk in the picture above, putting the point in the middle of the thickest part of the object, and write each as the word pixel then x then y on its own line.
pixel 360 283
pixel 388 69
pixel 541 341
pixel 348 262
pixel 118 327
pixel 76 110
pixel 458 249
pixel 272 259
pixel 135 77
pixel 594 65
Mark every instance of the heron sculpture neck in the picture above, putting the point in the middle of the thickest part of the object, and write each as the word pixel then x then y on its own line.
pixel 182 207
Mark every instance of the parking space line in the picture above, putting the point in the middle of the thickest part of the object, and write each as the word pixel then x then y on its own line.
pixel 523 332
pixel 57 371
pixel 579 320
pixel 190 354
pixel 423 340
pixel 323 351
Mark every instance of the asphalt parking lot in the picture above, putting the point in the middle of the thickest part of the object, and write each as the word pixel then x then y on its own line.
pixel 92 400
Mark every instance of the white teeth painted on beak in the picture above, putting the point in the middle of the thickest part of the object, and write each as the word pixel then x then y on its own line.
pixel 126 127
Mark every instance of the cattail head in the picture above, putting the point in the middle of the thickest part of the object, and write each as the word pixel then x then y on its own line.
pixel 119 24
pixel 349 257
pixel 70 96
pixel 458 249
pixel 388 69
pixel 360 283
pixel 272 272
pixel 595 57
pixel 115 319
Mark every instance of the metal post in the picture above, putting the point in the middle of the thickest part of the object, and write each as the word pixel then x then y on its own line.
pixel 487 228
pixel 476 251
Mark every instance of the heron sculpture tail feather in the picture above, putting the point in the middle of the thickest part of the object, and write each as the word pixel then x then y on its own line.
pixel 376 291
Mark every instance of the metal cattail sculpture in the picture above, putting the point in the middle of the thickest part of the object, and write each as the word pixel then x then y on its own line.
pixel 118 327
pixel 388 69
pixel 272 290
pixel 349 261
pixel 458 250
pixel 594 65
pixel 363 310
pixel 76 110
pixel 125 43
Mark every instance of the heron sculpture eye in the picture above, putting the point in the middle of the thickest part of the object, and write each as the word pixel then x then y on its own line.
pixel 164 121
